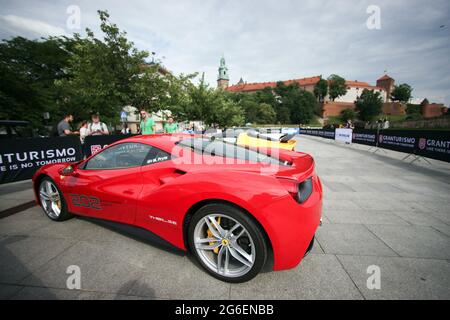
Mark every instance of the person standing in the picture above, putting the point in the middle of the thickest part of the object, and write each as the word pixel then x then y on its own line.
pixel 349 124
pixel 97 128
pixel 125 129
pixel 170 126
pixel 63 126
pixel 84 131
pixel 147 125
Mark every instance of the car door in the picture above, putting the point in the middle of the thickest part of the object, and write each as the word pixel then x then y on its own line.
pixel 107 185
pixel 155 204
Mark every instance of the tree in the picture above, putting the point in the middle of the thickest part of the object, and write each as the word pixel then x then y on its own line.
pixel 321 90
pixel 348 114
pixel 369 104
pixel 85 74
pixel 28 70
pixel 107 74
pixel 295 104
pixel 265 114
pixel 302 110
pixel 266 96
pixel 402 93
pixel 211 106
pixel 336 87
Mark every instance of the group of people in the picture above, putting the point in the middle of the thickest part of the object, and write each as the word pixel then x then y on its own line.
pixel 147 124
pixel 93 128
pixel 96 127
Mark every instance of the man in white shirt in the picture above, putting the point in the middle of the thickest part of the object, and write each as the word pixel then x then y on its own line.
pixel 97 128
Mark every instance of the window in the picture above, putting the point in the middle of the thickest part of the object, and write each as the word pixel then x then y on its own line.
pixel 156 155
pixel 124 155
pixel 228 150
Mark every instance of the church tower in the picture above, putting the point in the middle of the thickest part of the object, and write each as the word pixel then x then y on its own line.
pixel 223 79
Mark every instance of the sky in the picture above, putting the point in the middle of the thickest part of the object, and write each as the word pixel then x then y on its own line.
pixel 267 40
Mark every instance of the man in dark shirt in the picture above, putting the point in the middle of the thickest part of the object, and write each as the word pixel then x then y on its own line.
pixel 64 126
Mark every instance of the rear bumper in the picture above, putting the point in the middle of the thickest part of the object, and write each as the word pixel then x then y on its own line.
pixel 291 227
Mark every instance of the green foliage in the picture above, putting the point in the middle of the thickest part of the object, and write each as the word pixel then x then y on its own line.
pixel 413 108
pixel 336 87
pixel 107 74
pixel 348 114
pixel 402 93
pixel 85 74
pixel 369 105
pixel 28 70
pixel 284 104
pixel 414 116
pixel 266 114
pixel 302 110
pixel 321 90
pixel 211 106
pixel 294 105
pixel 266 96
pixel 255 110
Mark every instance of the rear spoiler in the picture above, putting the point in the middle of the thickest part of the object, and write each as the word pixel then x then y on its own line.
pixel 283 139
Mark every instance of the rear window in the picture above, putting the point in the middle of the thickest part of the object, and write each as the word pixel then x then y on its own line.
pixel 228 150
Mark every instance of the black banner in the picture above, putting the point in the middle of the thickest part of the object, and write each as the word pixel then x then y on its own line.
pixel 324 133
pixel 364 136
pixel 397 140
pixel 434 144
pixel 93 144
pixel 20 158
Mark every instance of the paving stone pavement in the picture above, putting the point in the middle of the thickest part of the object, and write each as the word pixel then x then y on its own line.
pixel 378 211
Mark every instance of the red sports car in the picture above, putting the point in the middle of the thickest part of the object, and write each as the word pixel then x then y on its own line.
pixel 229 205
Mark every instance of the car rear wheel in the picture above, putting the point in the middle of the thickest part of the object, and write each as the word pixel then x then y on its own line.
pixel 52 201
pixel 227 243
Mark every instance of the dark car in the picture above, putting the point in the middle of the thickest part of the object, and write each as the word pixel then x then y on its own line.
pixel 10 129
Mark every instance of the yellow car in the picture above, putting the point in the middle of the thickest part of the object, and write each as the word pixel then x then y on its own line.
pixel 257 140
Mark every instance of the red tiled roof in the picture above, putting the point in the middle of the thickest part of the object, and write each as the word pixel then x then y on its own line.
pixel 245 87
pixel 359 84
pixel 385 77
pixel 248 87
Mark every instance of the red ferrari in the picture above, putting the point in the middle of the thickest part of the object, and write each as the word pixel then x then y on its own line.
pixel 229 205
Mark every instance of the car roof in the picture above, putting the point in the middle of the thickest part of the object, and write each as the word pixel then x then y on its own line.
pixel 162 141
pixel 14 122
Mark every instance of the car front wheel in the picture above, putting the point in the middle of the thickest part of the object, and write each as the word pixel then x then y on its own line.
pixel 227 243
pixel 52 201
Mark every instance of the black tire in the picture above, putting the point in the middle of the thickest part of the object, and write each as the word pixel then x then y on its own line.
pixel 254 230
pixel 64 214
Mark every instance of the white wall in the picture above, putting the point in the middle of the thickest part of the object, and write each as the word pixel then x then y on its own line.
pixel 354 92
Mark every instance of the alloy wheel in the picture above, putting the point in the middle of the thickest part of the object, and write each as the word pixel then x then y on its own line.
pixel 224 245
pixel 50 199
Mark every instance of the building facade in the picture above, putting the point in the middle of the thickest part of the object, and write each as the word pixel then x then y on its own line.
pixel 223 79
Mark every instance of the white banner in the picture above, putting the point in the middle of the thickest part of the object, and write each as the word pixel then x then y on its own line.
pixel 343 135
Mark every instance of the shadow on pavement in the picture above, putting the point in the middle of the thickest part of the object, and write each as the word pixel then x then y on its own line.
pixel 136 233
pixel 13 271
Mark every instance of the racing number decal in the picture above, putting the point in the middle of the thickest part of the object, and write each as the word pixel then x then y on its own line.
pixel 79 200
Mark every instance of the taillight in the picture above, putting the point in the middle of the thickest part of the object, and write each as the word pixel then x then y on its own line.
pixel 299 191
pixel 304 190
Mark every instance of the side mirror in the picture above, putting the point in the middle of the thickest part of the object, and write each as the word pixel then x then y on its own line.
pixel 67 171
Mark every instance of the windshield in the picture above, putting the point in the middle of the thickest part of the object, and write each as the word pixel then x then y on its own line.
pixel 228 150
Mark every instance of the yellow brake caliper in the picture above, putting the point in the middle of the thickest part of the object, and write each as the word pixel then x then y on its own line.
pixel 210 235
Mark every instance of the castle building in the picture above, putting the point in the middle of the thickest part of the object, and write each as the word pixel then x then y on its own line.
pixel 354 88
pixel 223 79
pixel 388 84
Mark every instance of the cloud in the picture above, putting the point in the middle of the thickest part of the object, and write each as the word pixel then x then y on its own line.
pixel 27 26
pixel 267 40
